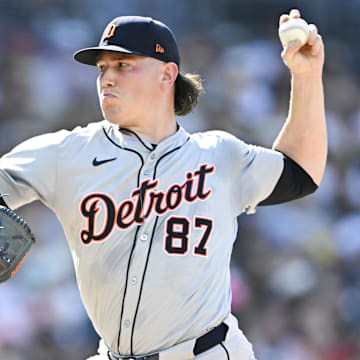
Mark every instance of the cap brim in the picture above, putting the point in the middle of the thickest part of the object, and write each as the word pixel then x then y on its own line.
pixel 90 55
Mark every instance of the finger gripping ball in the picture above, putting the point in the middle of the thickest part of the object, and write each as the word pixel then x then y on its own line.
pixel 294 29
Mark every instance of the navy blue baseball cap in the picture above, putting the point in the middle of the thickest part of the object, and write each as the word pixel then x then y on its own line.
pixel 134 35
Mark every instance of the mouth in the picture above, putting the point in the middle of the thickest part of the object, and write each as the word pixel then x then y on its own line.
pixel 108 96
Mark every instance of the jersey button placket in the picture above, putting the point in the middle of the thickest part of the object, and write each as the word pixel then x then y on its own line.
pixel 137 268
pixel 127 323
pixel 148 168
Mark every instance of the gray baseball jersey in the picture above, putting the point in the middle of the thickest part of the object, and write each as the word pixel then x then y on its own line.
pixel 150 230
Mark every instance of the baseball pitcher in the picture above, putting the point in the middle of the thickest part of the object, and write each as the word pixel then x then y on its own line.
pixel 149 210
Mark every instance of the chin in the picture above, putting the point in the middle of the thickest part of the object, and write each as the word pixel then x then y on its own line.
pixel 113 116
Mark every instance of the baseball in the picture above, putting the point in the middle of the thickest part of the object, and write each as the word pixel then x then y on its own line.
pixel 294 29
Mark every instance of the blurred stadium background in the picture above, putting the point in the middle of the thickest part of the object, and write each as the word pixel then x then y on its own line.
pixel 296 267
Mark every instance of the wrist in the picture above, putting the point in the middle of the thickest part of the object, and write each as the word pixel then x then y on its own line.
pixel 307 76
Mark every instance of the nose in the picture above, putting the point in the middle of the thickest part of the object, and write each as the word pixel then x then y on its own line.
pixel 107 79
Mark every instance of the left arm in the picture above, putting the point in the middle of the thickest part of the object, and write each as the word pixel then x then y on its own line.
pixel 304 137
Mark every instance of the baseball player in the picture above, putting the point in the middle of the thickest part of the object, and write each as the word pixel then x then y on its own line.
pixel 149 210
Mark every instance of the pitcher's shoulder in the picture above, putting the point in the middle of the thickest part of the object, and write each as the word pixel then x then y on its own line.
pixel 213 138
pixel 67 139
pixel 90 129
pixel 83 133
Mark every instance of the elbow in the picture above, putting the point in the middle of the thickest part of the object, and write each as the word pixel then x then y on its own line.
pixel 317 174
pixel 310 188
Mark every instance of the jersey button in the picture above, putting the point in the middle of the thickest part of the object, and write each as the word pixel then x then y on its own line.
pixel 143 237
pixel 153 156
pixel 147 172
pixel 134 280
pixel 127 323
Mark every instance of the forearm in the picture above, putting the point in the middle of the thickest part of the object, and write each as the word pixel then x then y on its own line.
pixel 303 136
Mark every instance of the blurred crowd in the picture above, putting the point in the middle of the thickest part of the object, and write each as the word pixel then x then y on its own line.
pixel 295 267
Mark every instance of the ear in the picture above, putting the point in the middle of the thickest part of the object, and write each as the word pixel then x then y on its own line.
pixel 169 74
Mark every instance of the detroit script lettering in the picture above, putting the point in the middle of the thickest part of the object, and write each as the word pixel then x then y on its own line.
pixel 132 211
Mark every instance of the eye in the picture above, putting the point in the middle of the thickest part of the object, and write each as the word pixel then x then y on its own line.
pixel 122 64
pixel 101 67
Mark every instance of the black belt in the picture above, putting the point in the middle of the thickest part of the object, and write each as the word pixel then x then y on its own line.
pixel 202 344
pixel 147 357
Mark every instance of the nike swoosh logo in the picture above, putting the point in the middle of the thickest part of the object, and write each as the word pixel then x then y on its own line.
pixel 97 162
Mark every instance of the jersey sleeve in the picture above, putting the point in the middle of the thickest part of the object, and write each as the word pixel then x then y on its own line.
pixel 28 172
pixel 254 171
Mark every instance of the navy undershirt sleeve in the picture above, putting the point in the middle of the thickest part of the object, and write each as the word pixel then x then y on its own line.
pixel 294 183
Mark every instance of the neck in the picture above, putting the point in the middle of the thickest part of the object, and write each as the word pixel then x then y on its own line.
pixel 153 126
pixel 158 130
pixel 154 131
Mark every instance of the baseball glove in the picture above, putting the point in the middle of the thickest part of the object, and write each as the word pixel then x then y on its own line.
pixel 16 240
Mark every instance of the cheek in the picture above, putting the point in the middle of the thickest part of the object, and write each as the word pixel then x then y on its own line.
pixel 146 90
pixel 137 98
pixel 145 93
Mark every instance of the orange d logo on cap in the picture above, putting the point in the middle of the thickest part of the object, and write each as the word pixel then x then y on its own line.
pixel 110 31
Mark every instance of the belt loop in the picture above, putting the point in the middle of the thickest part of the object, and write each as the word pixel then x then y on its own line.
pixel 212 338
